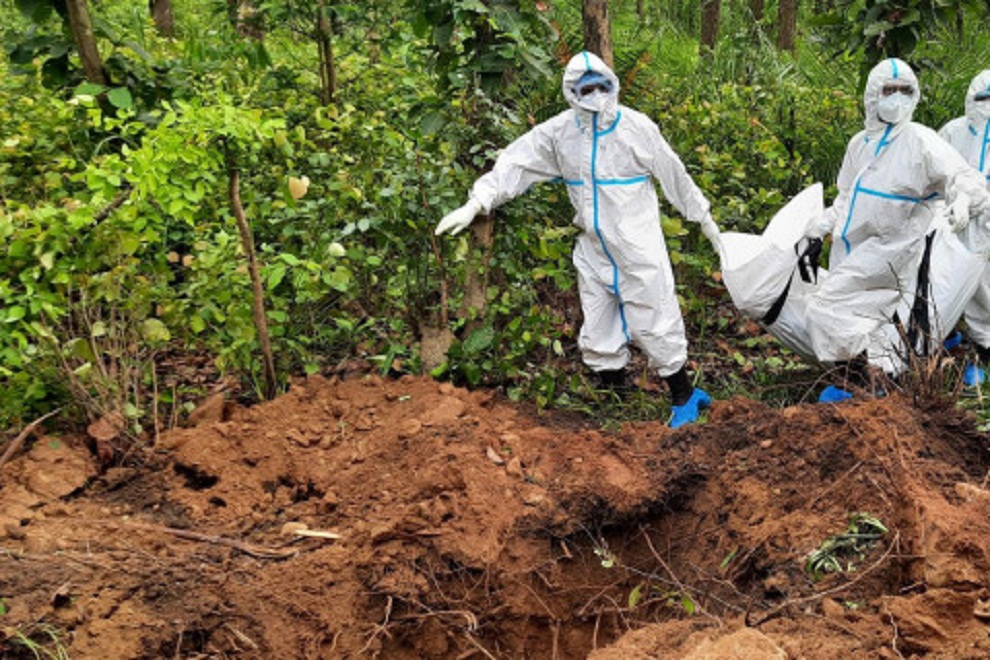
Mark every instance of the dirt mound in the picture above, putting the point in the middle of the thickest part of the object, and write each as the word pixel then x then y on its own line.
pixel 471 528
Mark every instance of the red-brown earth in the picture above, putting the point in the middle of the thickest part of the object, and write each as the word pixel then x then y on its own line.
pixel 471 527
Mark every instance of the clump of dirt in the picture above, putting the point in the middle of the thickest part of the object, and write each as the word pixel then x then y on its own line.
pixel 470 527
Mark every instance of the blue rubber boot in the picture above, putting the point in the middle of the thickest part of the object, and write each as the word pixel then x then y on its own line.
pixel 833 394
pixel 952 341
pixel 973 375
pixel 687 413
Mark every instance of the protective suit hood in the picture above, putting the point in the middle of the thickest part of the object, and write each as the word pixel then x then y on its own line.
pixel 580 64
pixel 978 112
pixel 889 71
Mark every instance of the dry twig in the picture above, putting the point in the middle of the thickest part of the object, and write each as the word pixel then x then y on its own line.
pixel 22 436
pixel 775 612
pixel 253 550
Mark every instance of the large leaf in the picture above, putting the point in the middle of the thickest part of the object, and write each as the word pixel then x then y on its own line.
pixel 36 11
pixel 479 340
pixel 120 97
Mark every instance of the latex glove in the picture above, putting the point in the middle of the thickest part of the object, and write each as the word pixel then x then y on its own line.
pixel 821 226
pixel 711 232
pixel 959 213
pixel 456 221
pixel 709 228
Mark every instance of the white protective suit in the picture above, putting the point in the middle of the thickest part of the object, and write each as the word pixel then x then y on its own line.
pixel 970 135
pixel 608 155
pixel 891 173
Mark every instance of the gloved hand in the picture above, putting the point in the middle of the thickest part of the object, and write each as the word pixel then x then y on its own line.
pixel 456 221
pixel 709 228
pixel 959 213
pixel 711 231
pixel 821 226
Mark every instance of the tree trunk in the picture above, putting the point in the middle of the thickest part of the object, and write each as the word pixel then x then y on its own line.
pixel 161 12
pixel 324 42
pixel 710 12
pixel 82 32
pixel 597 33
pixel 757 10
pixel 246 19
pixel 787 16
pixel 258 299
pixel 640 10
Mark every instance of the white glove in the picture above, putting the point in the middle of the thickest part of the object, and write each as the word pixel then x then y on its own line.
pixel 709 228
pixel 821 226
pixel 456 221
pixel 711 232
pixel 959 213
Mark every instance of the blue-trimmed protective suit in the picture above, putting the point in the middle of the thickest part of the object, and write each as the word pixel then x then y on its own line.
pixel 892 173
pixel 970 135
pixel 608 156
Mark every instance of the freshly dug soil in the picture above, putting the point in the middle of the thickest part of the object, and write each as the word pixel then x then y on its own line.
pixel 472 528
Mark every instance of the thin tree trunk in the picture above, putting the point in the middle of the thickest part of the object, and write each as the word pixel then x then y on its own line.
pixel 787 15
pixel 161 12
pixel 757 9
pixel 640 10
pixel 597 32
pixel 710 12
pixel 258 303
pixel 324 41
pixel 82 32
pixel 244 16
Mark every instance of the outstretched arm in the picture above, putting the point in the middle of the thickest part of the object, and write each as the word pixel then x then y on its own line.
pixel 529 159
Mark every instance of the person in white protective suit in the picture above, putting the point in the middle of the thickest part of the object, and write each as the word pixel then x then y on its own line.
pixel 608 155
pixel 970 135
pixel 891 172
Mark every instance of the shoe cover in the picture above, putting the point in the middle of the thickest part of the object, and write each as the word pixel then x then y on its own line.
pixel 833 394
pixel 687 413
pixel 973 376
pixel 952 340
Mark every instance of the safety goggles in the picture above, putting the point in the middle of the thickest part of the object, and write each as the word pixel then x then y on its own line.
pixel 584 90
pixel 897 88
pixel 983 96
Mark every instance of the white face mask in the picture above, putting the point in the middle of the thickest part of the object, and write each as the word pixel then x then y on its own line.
pixel 981 111
pixel 595 101
pixel 895 108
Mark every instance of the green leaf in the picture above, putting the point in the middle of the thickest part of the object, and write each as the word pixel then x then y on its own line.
pixel 635 595
pixel 479 340
pixel 15 313
pixel 90 89
pixel 154 331
pixel 120 97
pixel 687 604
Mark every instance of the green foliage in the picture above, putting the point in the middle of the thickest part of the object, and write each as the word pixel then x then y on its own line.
pixel 119 247
pixel 881 28
pixel 837 553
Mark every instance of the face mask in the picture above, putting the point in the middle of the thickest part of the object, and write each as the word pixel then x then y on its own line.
pixel 981 107
pixel 895 108
pixel 595 101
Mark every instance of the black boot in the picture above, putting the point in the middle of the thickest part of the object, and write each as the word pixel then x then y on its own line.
pixel 612 379
pixel 680 386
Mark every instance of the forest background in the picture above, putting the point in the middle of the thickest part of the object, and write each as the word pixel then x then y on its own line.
pixel 196 192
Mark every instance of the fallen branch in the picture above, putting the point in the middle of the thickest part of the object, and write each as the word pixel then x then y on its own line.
pixel 248 549
pixel 22 436
pixel 775 612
